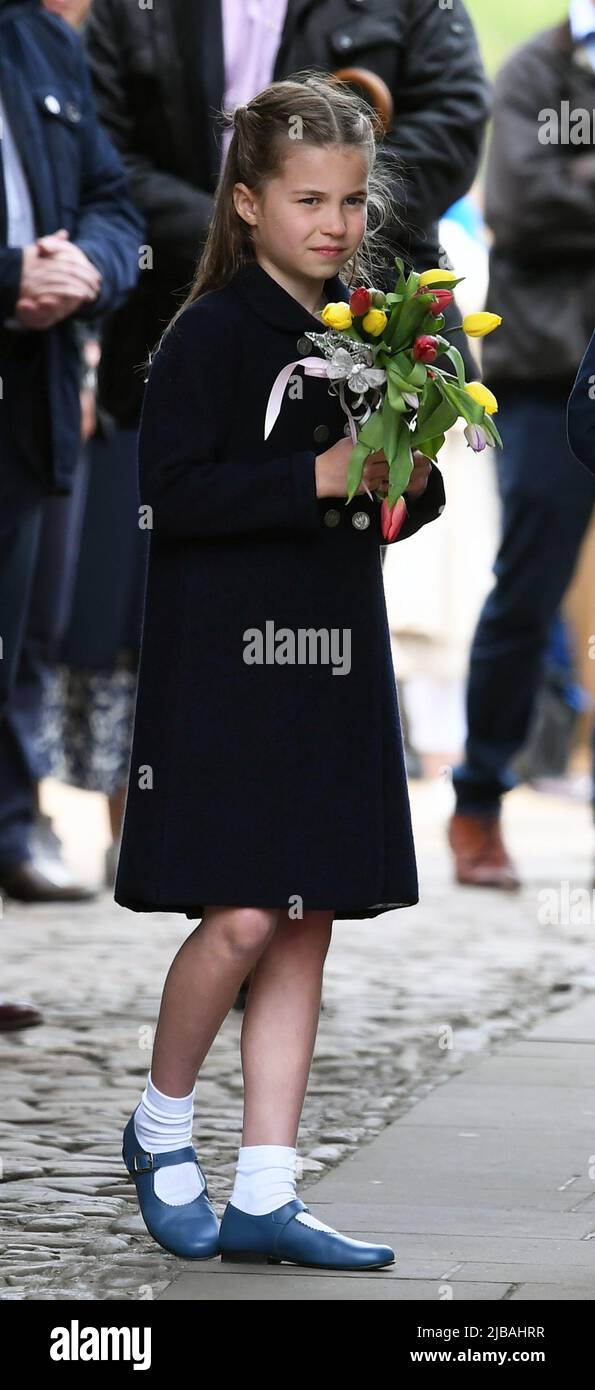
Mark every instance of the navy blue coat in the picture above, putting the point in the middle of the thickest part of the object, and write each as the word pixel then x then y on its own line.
pixel 252 784
pixel 581 410
pixel 77 181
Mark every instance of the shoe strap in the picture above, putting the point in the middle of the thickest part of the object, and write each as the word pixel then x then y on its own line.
pixel 145 1162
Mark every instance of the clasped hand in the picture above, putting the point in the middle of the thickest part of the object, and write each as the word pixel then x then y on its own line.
pixel 56 278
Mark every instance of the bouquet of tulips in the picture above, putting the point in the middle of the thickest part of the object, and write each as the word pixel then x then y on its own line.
pixel 390 345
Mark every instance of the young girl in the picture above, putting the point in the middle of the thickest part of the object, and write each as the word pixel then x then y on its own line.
pixel 267 791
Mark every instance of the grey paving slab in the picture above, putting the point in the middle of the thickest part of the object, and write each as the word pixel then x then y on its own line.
pixel 576 1024
pixel 553 1293
pixel 568 1072
pixel 301 1286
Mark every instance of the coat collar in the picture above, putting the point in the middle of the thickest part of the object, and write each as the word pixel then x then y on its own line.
pixel 275 305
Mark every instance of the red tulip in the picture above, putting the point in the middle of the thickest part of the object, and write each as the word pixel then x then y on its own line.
pixel 360 302
pixel 392 518
pixel 442 299
pixel 426 348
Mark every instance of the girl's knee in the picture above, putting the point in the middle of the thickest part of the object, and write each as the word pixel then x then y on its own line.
pixel 245 931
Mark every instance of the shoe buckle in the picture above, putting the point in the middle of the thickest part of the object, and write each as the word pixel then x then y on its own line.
pixel 148 1166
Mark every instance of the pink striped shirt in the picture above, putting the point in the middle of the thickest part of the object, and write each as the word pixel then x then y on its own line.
pixel 251 40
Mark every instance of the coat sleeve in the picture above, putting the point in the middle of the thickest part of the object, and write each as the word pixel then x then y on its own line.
pixel 194 489
pixel 581 411
pixel 442 107
pixel 538 201
pixel 178 215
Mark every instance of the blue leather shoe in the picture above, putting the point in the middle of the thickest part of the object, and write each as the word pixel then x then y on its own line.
pixel 190 1230
pixel 279 1236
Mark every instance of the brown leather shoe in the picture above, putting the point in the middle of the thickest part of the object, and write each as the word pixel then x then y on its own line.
pixel 481 857
pixel 29 883
pixel 16 1015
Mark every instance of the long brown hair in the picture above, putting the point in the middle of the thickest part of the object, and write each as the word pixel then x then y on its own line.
pixel 329 113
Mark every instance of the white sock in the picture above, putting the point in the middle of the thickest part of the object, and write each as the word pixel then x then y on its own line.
pixel 265 1178
pixel 163 1123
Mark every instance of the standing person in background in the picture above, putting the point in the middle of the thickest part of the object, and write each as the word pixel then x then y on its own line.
pixel 69 249
pixel 161 76
pixel 540 204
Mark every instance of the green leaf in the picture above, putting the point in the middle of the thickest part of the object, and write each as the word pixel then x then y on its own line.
pixel 453 353
pixel 446 284
pixel 355 469
pixel 438 422
pixel 392 424
pixel 492 430
pixel 371 431
pixel 402 466
pixel 395 395
pixel 473 413
pixel 432 447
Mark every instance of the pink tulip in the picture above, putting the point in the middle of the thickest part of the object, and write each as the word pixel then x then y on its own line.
pixel 392 518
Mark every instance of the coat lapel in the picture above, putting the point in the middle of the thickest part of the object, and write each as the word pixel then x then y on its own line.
pixel 275 305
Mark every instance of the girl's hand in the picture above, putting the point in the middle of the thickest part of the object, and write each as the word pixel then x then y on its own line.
pixel 418 482
pixel 331 471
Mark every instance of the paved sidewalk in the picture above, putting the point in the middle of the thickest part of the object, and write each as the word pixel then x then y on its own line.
pixel 485 1189
pixel 412 999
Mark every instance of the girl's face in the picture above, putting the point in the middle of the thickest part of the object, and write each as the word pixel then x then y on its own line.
pixel 312 217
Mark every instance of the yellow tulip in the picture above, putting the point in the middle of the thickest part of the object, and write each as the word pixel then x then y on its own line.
pixel 430 277
pixel 337 315
pixel 483 396
pixel 374 322
pixel 478 325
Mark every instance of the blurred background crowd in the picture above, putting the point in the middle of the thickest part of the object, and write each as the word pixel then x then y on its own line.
pixel 110 152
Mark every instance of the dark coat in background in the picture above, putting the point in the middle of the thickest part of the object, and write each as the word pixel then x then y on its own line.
pixel 159 81
pixel 540 205
pixel 581 410
pixel 253 783
pixel 77 181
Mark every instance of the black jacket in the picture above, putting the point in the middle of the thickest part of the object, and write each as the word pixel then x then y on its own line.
pixel 540 204
pixel 266 780
pixel 77 181
pixel 159 78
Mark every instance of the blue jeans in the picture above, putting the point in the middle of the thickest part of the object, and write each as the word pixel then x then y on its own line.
pixel 547 502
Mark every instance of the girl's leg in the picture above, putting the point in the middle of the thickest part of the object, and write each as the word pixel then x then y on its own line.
pixel 200 988
pixel 201 985
pixel 279 1027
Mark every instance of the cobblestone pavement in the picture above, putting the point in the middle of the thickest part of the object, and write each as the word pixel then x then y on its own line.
pixel 406 997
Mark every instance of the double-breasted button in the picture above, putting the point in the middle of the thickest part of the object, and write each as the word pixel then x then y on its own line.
pixel 73 112
pixel 332 517
pixel 304 346
pixel 360 520
pixel 52 104
pixel 321 433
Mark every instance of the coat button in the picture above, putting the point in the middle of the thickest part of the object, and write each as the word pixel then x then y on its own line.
pixel 321 433
pixel 332 517
pixel 304 346
pixel 73 111
pixel 360 520
pixel 52 104
pixel 441 509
